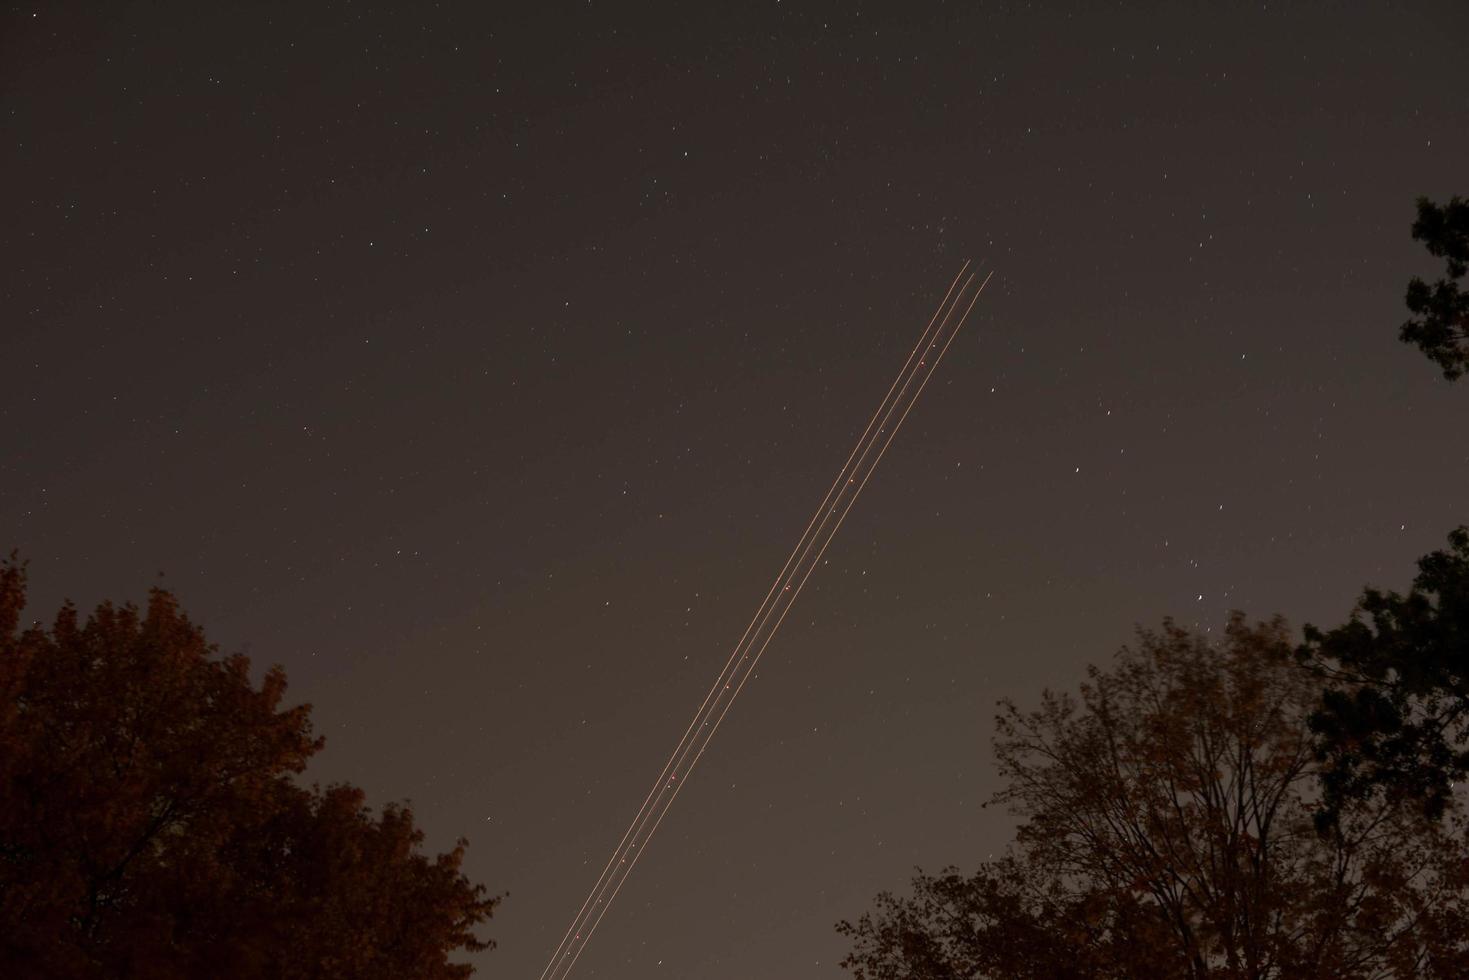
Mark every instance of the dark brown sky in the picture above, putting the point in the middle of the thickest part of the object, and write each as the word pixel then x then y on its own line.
pixel 481 368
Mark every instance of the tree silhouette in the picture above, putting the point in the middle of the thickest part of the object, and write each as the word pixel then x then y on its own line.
pixel 1166 832
pixel 1395 717
pixel 150 824
pixel 1441 329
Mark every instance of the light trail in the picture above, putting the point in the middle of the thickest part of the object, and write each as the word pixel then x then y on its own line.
pixel 663 811
pixel 798 568
pixel 680 750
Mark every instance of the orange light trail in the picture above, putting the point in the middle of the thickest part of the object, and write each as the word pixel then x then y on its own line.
pixel 776 605
pixel 681 749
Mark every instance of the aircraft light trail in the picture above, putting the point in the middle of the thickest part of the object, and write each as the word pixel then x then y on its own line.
pixel 902 395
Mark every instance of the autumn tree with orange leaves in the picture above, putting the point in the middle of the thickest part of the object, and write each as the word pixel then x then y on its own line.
pixel 151 825
pixel 1167 833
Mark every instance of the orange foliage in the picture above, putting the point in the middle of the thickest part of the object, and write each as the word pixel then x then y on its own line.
pixel 150 824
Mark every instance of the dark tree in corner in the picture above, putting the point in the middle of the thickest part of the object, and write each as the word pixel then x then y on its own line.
pixel 1395 716
pixel 1441 329
pixel 150 824
pixel 1166 833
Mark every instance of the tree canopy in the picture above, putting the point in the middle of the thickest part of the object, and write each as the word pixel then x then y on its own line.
pixel 1441 327
pixel 1395 717
pixel 151 824
pixel 1167 832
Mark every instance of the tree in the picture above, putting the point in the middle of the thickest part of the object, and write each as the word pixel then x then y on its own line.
pixel 1166 832
pixel 150 824
pixel 1441 329
pixel 1394 717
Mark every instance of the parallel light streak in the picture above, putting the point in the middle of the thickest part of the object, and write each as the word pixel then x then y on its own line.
pixel 680 750
pixel 777 604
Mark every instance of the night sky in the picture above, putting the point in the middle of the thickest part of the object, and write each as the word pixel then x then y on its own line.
pixel 481 368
